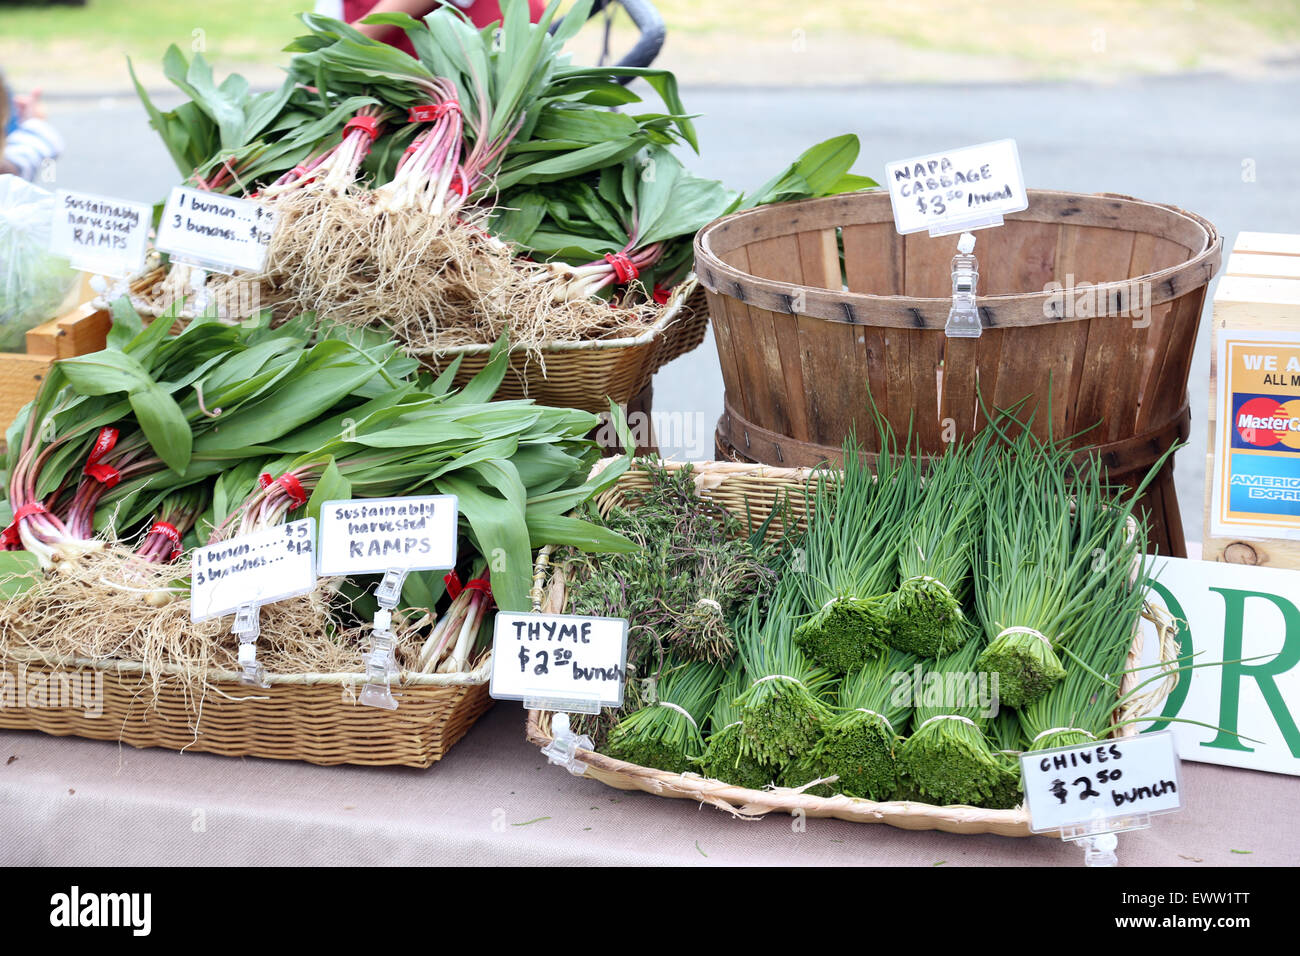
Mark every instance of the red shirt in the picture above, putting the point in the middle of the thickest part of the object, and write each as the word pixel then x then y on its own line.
pixel 481 12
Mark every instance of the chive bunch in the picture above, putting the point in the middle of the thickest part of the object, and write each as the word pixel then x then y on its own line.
pixel 937 554
pixel 665 732
pixel 948 759
pixel 782 710
pixel 851 548
pixel 860 743
pixel 727 754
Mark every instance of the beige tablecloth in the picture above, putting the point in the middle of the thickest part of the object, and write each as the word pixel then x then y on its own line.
pixel 495 800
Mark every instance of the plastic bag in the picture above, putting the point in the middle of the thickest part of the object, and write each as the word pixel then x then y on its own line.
pixel 33 283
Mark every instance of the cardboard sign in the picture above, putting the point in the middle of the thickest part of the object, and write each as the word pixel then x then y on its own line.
pixel 216 232
pixel 1104 780
pixel 957 190
pixel 578 662
pixel 1232 613
pixel 1256 487
pixel 100 234
pixel 388 534
pixel 259 568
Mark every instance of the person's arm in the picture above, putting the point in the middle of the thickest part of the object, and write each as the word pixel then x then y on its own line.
pixel 30 145
pixel 416 8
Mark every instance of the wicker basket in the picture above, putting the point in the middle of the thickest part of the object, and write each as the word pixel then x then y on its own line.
pixel 750 492
pixel 587 375
pixel 310 717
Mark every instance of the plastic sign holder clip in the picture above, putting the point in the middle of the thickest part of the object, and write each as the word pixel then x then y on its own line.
pixel 381 663
pixel 1098 836
pixel 110 293
pixel 247 627
pixel 964 318
pixel 563 749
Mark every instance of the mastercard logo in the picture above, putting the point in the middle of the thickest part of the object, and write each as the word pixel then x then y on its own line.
pixel 1268 423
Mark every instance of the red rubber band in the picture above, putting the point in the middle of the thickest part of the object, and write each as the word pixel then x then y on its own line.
pixel 104 443
pixel 265 479
pixel 459 184
pixel 430 112
pixel 367 124
pixel 294 487
pixel 481 584
pixel 10 536
pixel 454 587
pixel 169 532
pixel 106 475
pixel 661 294
pixel 625 269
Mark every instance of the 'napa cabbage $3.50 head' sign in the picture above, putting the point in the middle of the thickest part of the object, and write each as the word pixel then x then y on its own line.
pixel 1249 618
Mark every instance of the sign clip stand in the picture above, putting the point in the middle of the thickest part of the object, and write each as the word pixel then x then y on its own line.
pixel 1098 837
pixel 247 627
pixel 964 318
pixel 381 663
pixel 110 293
pixel 562 751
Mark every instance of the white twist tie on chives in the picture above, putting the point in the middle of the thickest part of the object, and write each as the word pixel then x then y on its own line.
pixel 1062 730
pixel 734 723
pixel 929 580
pixel 1024 630
pixel 681 710
pixel 964 720
pixel 881 716
pixel 763 680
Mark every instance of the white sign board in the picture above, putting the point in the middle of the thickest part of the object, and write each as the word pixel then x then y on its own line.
pixel 958 189
pixel 100 234
pixel 1106 779
pixel 559 658
pixel 1233 613
pixel 387 534
pixel 259 568
pixel 218 232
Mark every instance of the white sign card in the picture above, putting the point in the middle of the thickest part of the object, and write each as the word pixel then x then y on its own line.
pixel 382 534
pixel 100 234
pixel 957 190
pixel 1248 618
pixel 259 568
pixel 1109 778
pixel 559 657
pixel 217 232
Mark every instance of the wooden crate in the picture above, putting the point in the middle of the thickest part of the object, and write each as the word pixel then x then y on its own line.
pixel 81 329
pixel 1260 290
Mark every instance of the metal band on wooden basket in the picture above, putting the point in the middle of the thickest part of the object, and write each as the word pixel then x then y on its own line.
pixel 732 484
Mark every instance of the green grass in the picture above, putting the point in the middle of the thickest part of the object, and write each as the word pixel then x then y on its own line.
pixel 236 29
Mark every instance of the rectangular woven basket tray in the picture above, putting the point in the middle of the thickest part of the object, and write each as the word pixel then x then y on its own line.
pixel 314 717
pixel 750 493
pixel 587 375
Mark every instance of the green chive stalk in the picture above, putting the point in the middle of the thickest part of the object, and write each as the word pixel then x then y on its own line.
pixel 861 741
pixel 852 556
pixel 727 755
pixel 665 733
pixel 1078 710
pixel 948 759
pixel 937 554
pixel 783 710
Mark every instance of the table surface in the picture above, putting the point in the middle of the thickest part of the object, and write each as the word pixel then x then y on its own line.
pixel 495 800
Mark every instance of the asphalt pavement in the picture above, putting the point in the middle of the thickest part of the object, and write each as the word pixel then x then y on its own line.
pixel 1228 149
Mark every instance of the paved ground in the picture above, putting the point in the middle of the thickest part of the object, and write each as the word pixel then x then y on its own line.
pixel 1224 148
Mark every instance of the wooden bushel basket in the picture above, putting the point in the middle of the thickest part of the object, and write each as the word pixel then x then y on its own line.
pixel 814 302
pixel 750 492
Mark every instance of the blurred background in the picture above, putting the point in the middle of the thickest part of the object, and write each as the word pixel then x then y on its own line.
pixel 1188 102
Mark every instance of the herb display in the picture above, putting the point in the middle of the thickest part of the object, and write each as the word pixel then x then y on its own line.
pixel 665 731
pixel 727 756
